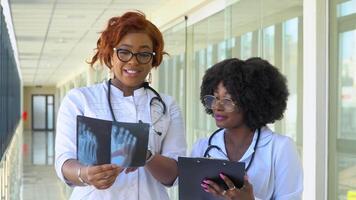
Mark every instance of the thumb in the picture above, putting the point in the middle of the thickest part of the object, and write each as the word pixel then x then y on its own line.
pixel 246 182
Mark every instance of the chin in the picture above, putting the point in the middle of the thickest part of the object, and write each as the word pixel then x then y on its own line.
pixel 220 124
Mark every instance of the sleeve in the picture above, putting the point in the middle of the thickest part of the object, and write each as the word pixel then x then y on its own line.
pixel 174 144
pixel 289 172
pixel 65 142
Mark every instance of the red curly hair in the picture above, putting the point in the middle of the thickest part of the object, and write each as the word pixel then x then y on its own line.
pixel 118 27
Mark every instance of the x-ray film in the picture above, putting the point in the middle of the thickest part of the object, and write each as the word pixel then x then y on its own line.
pixel 102 142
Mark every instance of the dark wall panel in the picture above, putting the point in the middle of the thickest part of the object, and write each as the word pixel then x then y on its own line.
pixel 10 88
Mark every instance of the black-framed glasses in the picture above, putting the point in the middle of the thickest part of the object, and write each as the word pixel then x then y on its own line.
pixel 211 102
pixel 125 55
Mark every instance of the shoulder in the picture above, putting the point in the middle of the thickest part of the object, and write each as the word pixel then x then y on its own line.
pixel 268 137
pixel 282 141
pixel 77 96
pixel 284 148
pixel 86 89
pixel 93 90
pixel 72 96
pixel 171 104
pixel 169 100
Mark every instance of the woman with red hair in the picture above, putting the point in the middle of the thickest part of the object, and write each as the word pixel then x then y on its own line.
pixel 130 47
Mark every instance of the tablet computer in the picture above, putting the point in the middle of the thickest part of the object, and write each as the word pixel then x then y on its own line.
pixel 192 171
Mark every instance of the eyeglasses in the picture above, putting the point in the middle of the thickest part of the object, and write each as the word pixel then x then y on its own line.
pixel 211 102
pixel 125 55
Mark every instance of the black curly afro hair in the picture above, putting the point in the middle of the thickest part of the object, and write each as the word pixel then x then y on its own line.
pixel 257 88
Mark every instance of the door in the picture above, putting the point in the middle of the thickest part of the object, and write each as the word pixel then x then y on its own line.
pixel 42 139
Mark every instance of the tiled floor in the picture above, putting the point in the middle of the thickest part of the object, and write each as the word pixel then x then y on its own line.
pixel 39 179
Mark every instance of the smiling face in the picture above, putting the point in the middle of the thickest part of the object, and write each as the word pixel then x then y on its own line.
pixel 224 119
pixel 131 73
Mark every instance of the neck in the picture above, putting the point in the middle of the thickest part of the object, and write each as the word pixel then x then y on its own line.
pixel 239 137
pixel 127 90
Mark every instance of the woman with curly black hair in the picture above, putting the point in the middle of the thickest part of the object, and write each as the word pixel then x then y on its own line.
pixel 243 97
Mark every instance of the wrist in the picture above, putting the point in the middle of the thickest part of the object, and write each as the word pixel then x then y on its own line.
pixel 149 155
pixel 79 175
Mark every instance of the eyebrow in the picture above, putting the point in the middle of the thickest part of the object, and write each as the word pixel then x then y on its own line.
pixel 141 47
pixel 225 97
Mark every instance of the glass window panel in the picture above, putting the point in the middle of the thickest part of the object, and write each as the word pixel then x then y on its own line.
pixel 246 45
pixel 50 147
pixel 268 43
pixel 342 134
pixel 173 69
pixel 290 69
pixel 222 51
pixel 162 76
pixel 50 113
pixel 347 63
pixel 346 168
pixel 209 59
pixel 346 8
pixel 83 80
pixel 50 99
pixel 39 112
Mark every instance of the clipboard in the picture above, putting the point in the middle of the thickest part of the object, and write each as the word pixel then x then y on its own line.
pixel 192 171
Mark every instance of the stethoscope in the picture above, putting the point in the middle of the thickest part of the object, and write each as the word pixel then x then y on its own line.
pixel 156 102
pixel 211 146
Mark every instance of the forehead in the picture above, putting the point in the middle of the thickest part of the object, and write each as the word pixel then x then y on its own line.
pixel 136 40
pixel 221 90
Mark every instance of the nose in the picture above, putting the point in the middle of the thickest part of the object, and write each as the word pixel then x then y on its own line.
pixel 133 60
pixel 218 105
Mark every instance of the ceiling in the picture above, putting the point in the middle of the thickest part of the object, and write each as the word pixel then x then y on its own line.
pixel 56 37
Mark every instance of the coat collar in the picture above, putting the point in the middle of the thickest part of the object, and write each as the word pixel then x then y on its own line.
pixel 218 140
pixel 118 93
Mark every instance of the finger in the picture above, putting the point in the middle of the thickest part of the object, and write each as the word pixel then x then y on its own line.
pixel 108 173
pixel 99 171
pixel 228 181
pixel 209 189
pixel 109 167
pixel 104 183
pixel 247 185
pixel 130 169
pixel 104 180
pixel 213 187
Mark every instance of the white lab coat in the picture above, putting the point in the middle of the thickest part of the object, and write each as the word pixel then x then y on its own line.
pixel 92 102
pixel 276 171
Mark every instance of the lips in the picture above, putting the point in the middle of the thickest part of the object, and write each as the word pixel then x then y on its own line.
pixel 219 117
pixel 131 72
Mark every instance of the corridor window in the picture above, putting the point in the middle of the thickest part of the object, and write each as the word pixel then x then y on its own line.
pixel 342 110
pixel 346 8
pixel 290 67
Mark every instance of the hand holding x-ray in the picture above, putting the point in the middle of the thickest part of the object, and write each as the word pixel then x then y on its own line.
pixel 88 146
pixel 123 145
